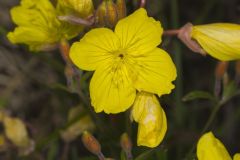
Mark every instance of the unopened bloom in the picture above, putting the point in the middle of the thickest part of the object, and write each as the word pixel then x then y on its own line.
pixel 220 40
pixel 211 148
pixel 38 25
pixel 125 60
pixel 82 8
pixel 151 118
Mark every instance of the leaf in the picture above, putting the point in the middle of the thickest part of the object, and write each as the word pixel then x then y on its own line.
pixel 229 90
pixel 198 95
pixel 145 155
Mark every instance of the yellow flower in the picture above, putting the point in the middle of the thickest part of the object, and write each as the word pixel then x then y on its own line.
pixel 38 26
pixel 236 156
pixel 220 40
pixel 210 148
pixel 125 60
pixel 16 131
pixel 151 118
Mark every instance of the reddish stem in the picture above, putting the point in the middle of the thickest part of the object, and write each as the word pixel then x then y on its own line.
pixel 173 32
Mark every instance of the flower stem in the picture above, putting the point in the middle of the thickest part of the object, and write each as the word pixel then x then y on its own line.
pixel 142 3
pixel 172 32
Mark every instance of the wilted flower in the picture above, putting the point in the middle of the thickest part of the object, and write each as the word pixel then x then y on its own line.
pixel 38 26
pixel 151 118
pixel 125 60
pixel 210 148
pixel 220 40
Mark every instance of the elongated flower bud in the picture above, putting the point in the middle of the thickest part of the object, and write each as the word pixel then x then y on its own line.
pixel 91 143
pixel 126 145
pixel 220 40
pixel 121 8
pixel 107 14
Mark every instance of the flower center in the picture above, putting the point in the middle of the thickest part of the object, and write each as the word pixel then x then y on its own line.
pixel 120 54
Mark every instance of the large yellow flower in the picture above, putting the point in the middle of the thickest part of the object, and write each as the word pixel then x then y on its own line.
pixel 151 118
pixel 220 40
pixel 38 25
pixel 125 60
pixel 210 148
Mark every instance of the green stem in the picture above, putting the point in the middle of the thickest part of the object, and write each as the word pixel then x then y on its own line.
pixel 178 62
pixel 210 120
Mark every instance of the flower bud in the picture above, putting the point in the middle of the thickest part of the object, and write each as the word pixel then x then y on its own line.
pixel 91 143
pixel 221 69
pixel 210 148
pixel 126 145
pixel 107 14
pixel 121 8
pixel 220 40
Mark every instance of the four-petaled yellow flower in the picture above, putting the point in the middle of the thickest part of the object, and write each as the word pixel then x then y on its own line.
pixel 151 118
pixel 125 60
pixel 38 25
pixel 210 148
pixel 220 40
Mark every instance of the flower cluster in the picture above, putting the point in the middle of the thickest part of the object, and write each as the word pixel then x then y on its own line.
pixel 38 25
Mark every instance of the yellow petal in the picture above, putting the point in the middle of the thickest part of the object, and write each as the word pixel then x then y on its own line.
pixel 220 40
pixel 210 148
pixel 139 33
pixel 153 72
pixel 16 131
pixel 151 118
pixel 94 48
pixel 111 90
pixel 236 156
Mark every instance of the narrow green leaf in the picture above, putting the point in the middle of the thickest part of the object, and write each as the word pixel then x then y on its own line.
pixel 198 95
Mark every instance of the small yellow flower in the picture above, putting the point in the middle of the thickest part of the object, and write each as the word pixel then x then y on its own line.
pixel 210 148
pixel 236 156
pixel 151 118
pixel 220 40
pixel 16 131
pixel 38 26
pixel 125 60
